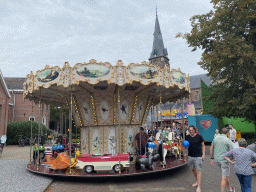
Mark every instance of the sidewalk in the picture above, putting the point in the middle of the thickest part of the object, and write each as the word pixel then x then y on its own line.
pixel 14 175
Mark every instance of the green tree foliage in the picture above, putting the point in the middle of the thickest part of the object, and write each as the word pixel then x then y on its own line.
pixel 227 36
pixel 23 128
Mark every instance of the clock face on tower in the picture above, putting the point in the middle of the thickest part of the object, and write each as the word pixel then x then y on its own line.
pixel 123 110
pixel 104 110
pixel 86 111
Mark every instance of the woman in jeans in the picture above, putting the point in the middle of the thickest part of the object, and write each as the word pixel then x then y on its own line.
pixel 242 164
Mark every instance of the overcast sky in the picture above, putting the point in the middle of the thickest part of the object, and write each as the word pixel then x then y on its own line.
pixel 51 32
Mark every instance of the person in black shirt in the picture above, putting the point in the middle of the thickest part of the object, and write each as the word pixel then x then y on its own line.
pixel 196 154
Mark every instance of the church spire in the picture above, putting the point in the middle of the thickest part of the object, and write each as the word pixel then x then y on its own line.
pixel 158 50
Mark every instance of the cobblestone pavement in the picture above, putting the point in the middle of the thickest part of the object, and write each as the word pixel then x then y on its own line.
pixel 14 175
pixel 179 180
pixel 13 152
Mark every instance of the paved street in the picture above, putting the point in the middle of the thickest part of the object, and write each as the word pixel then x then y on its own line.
pixel 15 177
pixel 176 180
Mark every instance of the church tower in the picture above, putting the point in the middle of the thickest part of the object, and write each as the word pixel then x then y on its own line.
pixel 159 55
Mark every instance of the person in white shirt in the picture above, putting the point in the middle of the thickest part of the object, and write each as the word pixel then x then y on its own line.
pixel 232 133
pixel 216 133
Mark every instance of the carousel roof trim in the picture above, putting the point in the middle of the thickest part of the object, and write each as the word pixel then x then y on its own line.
pixel 95 72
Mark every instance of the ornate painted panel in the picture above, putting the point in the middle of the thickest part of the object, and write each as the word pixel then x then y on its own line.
pixel 93 70
pixel 144 72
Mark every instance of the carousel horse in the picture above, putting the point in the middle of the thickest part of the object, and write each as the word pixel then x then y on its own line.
pixel 177 150
pixel 166 147
pixel 160 136
pixel 41 152
pixel 171 136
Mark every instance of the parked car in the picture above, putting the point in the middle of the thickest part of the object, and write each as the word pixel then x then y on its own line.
pixel 106 162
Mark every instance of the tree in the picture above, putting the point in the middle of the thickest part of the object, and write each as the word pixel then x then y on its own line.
pixel 56 113
pixel 227 36
pixel 23 128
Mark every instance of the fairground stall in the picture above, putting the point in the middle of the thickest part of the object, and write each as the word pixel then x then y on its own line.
pixel 108 104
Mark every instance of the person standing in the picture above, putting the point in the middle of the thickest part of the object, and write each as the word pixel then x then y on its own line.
pixel 165 132
pixel 232 133
pixel 221 145
pixel 242 164
pixel 141 139
pixel 216 133
pixel 196 154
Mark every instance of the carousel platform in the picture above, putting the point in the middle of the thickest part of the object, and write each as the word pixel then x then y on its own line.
pixel 171 163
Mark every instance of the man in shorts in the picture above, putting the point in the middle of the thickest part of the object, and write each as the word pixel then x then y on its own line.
pixel 196 154
pixel 221 145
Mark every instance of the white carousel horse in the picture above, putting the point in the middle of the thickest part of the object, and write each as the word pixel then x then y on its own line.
pixel 176 150
pixel 166 146
pixel 171 136
pixel 158 135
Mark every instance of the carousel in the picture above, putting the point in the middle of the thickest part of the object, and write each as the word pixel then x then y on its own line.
pixel 108 104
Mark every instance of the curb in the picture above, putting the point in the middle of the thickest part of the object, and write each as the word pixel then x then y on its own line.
pixel 44 188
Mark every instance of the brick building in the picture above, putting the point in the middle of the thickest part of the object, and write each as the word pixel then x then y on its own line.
pixel 4 101
pixel 20 109
pixel 195 90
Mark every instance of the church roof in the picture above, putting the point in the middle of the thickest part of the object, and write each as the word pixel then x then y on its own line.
pixel 195 81
pixel 158 44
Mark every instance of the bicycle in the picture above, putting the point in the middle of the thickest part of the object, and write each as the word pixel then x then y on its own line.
pixel 21 141
pixel 2 142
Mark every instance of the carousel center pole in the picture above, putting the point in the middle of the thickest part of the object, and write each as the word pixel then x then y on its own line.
pixel 70 131
pixel 31 133
pixel 119 130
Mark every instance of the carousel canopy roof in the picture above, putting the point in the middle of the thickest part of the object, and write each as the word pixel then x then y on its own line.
pixel 55 84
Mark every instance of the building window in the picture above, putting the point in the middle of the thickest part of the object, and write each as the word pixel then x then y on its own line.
pixel 197 96
pixel 31 118
pixel 44 120
pixel 162 59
